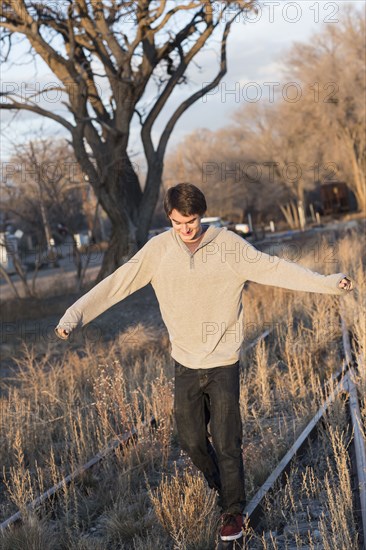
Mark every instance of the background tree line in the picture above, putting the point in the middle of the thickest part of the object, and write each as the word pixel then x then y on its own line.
pixel 271 154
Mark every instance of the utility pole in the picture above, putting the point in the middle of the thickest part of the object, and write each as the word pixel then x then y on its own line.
pixel 46 224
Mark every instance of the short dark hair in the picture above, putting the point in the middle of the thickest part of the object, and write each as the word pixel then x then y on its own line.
pixel 186 198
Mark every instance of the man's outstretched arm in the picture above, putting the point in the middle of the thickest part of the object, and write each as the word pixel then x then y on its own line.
pixel 130 277
pixel 262 268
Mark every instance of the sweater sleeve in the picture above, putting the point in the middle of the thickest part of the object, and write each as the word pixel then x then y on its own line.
pixel 131 276
pixel 259 267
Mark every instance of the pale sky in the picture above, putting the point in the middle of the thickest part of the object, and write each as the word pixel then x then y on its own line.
pixel 256 48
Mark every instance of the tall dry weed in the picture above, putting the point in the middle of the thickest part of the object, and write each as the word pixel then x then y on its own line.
pixel 184 506
pixel 337 524
pixel 31 535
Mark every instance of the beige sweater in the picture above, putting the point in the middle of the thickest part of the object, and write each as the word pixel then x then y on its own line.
pixel 200 294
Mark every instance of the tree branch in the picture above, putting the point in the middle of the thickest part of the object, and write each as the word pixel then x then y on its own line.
pixel 173 11
pixel 178 73
pixel 15 105
pixel 197 95
pixel 158 12
pixel 101 23
pixel 96 40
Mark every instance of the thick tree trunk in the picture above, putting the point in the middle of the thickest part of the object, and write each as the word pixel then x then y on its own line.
pixel 123 217
pixel 148 202
pixel 131 219
pixel 117 187
pixel 118 251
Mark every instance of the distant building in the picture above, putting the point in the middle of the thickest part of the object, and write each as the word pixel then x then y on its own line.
pixel 335 197
pixel 8 249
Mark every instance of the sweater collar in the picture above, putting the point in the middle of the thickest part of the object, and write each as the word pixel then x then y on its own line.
pixel 210 234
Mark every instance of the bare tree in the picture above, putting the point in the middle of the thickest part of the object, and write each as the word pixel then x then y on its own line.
pixel 85 42
pixel 42 186
pixel 43 189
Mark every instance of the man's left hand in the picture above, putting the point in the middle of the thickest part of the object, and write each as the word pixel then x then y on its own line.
pixel 346 284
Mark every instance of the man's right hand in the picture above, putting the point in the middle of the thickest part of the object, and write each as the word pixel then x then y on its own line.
pixel 62 333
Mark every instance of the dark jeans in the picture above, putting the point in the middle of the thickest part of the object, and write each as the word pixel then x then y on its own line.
pixel 205 396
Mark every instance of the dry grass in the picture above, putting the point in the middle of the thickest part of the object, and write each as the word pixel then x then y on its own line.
pixel 185 507
pixel 58 409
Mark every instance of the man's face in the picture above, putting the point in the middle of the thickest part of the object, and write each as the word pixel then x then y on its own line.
pixel 187 227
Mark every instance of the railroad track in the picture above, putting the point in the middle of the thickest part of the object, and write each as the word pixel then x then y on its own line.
pixel 119 442
pixel 342 383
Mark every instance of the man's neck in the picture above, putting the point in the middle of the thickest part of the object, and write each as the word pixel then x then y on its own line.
pixel 192 245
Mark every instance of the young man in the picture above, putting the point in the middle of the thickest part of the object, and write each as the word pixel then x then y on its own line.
pixel 198 273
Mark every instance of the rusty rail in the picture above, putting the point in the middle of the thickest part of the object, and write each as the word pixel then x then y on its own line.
pixel 116 443
pixel 346 377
